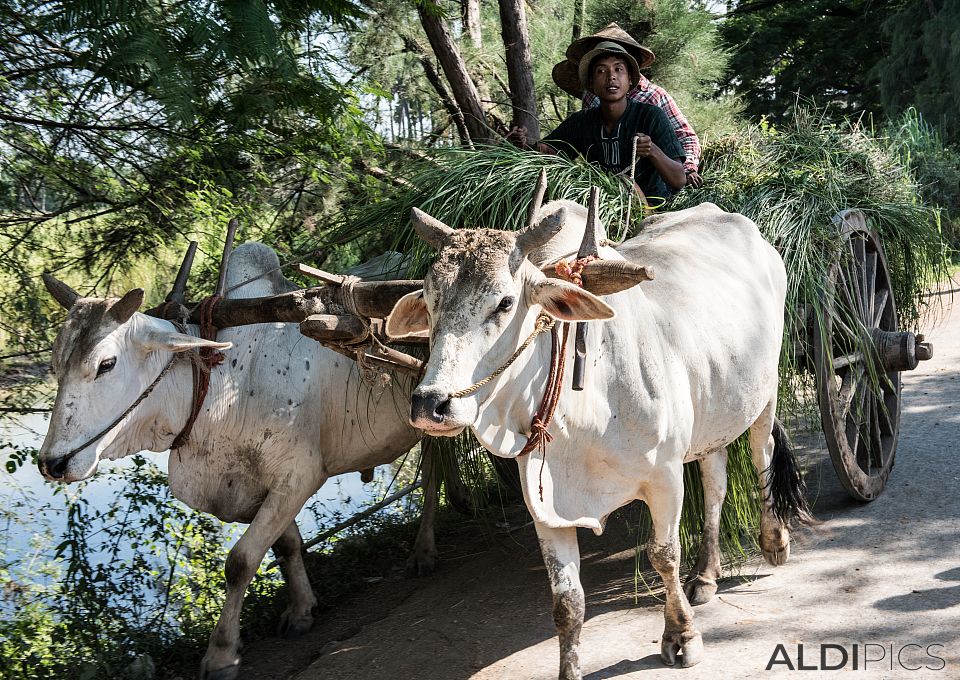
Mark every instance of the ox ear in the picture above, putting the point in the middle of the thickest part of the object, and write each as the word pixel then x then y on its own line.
pixel 123 309
pixel 409 316
pixel 540 233
pixel 60 291
pixel 431 230
pixel 178 342
pixel 568 302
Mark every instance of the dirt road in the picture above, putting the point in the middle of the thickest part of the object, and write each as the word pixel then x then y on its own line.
pixel 880 582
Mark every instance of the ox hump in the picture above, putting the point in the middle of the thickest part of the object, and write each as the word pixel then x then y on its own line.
pixel 254 271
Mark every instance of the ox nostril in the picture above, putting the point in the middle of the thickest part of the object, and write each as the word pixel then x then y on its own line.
pixel 55 469
pixel 429 405
pixel 441 409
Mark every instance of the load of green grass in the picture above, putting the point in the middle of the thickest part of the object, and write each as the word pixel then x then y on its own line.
pixel 791 181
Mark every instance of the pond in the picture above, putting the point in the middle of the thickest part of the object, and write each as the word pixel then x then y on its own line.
pixel 34 512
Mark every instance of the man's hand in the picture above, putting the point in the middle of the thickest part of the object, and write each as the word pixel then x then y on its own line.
pixel 694 179
pixel 518 136
pixel 644 145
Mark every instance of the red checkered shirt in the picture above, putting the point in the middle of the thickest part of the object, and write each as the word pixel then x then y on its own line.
pixel 647 93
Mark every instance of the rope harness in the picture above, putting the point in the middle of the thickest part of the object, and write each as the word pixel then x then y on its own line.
pixel 207 358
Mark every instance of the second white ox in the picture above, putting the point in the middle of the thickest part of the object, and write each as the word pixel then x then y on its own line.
pixel 680 368
pixel 283 414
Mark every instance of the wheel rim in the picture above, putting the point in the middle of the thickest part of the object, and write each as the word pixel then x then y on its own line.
pixel 859 400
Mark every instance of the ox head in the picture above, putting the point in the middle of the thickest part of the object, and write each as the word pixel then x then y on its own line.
pixel 104 357
pixel 479 302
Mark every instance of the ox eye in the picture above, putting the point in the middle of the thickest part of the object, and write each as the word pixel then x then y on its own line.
pixel 106 366
pixel 506 304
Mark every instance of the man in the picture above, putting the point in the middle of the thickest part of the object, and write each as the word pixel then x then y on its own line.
pixel 605 135
pixel 565 75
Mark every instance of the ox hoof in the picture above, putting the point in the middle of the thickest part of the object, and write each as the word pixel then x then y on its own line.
pixel 777 557
pixel 700 590
pixel 231 672
pixel 422 563
pixel 293 626
pixel 691 651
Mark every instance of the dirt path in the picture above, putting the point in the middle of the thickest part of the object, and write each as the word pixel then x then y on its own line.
pixel 875 575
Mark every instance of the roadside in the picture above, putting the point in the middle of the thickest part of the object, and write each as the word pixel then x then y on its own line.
pixel 884 576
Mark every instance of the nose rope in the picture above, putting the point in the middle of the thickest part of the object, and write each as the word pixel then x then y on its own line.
pixel 545 322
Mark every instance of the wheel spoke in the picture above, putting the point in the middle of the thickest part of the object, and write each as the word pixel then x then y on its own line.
pixel 870 272
pixel 876 439
pixel 851 294
pixel 882 298
pixel 845 360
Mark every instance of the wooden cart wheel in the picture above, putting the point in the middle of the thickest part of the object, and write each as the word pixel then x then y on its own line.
pixel 858 355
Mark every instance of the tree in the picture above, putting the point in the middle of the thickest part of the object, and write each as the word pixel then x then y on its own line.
pixel 123 125
pixel 820 49
pixel 921 68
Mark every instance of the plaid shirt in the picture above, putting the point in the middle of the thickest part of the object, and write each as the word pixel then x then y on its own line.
pixel 647 93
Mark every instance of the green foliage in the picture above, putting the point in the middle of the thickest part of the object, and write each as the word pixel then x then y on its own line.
pixel 141 578
pixel 120 122
pixel 921 67
pixel 819 49
pixel 935 166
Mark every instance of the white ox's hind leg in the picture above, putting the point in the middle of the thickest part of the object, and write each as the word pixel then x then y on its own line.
pixel 664 497
pixel 276 513
pixel 561 557
pixel 701 585
pixel 298 617
pixel 774 535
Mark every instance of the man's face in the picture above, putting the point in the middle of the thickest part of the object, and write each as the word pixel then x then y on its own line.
pixel 610 78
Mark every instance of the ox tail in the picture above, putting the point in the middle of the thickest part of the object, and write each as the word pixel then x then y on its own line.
pixel 788 491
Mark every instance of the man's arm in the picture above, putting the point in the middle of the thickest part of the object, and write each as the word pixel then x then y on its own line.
pixel 670 169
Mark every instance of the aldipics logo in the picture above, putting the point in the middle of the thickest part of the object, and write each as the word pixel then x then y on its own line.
pixel 858 657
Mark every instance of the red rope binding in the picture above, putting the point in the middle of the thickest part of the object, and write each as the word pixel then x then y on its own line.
pixel 201 375
pixel 539 436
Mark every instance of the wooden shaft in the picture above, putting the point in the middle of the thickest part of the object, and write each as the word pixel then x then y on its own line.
pixel 588 247
pixel 179 291
pixel 373 299
pixel 225 258
pixel 606 277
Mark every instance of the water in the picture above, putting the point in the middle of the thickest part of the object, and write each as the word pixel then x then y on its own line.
pixel 33 515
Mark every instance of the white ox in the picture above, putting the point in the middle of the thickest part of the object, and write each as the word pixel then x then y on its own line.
pixel 282 415
pixel 680 368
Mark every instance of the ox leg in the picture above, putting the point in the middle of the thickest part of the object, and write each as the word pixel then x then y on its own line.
pixel 423 560
pixel 774 535
pixel 665 499
pixel 561 556
pixel 298 617
pixel 222 659
pixel 701 585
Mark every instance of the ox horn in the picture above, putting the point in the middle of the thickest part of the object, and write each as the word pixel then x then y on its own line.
pixel 540 233
pixel 123 309
pixel 538 195
pixel 60 291
pixel 431 230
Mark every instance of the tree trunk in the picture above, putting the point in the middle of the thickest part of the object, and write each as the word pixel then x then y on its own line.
pixel 579 11
pixel 470 15
pixel 456 115
pixel 513 19
pixel 464 90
